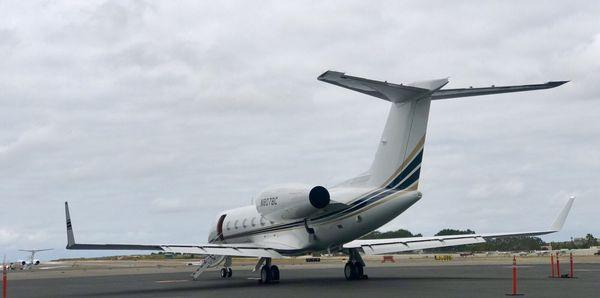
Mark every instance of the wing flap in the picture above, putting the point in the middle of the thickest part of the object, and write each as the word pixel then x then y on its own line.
pixel 223 251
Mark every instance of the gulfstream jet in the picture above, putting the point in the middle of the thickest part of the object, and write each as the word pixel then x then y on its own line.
pixel 31 261
pixel 296 219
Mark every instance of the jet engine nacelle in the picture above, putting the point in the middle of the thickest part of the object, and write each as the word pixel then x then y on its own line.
pixel 23 263
pixel 291 201
pixel 36 262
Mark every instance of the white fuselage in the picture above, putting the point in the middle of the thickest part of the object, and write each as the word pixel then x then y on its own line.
pixel 358 212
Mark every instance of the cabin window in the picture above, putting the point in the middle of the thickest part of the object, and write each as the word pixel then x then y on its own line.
pixel 262 221
pixel 244 223
pixel 235 225
pixel 253 222
pixel 228 225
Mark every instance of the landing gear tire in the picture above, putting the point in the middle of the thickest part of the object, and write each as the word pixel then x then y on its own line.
pixel 223 272
pixel 354 271
pixel 229 272
pixel 275 273
pixel 265 275
pixel 350 271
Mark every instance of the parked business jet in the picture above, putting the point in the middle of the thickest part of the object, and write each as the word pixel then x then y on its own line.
pixel 31 261
pixel 296 219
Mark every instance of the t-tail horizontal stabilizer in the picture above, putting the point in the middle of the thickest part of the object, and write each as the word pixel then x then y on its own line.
pixel 384 90
pixel 465 92
pixel 433 89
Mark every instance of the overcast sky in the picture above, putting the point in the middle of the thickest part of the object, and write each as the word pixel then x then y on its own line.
pixel 151 117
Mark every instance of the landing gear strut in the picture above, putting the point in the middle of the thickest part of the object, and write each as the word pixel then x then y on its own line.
pixel 268 273
pixel 354 268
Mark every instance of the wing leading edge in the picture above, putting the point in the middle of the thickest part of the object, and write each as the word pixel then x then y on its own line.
pixel 394 245
pixel 238 250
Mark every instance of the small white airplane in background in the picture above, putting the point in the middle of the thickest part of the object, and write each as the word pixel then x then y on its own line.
pixel 32 261
pixel 296 219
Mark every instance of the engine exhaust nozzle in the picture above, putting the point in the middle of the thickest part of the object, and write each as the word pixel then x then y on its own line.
pixel 319 197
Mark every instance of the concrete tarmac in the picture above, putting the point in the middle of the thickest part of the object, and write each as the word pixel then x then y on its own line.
pixel 303 281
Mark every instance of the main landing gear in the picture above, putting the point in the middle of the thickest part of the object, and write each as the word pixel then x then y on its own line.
pixel 354 268
pixel 268 273
pixel 226 272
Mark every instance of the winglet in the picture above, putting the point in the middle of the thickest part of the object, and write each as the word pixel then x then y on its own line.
pixel 70 237
pixel 562 216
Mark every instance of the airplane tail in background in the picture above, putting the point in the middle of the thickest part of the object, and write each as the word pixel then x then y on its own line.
pixel 397 163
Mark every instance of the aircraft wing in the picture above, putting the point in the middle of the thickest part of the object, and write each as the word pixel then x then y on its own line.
pixel 394 245
pixel 238 250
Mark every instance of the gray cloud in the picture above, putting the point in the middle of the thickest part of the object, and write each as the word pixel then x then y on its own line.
pixel 149 118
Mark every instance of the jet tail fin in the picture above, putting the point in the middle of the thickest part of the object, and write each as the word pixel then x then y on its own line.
pixel 397 162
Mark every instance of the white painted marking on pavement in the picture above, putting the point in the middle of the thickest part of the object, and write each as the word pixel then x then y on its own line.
pixel 171 281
